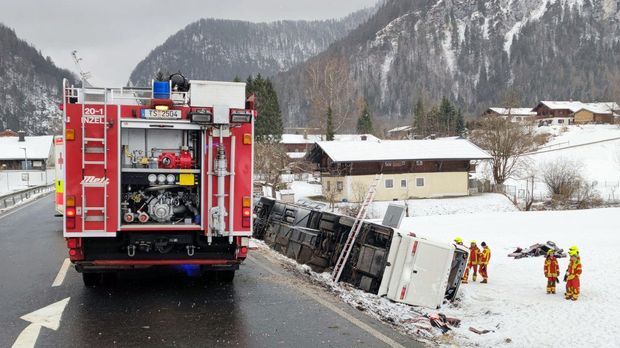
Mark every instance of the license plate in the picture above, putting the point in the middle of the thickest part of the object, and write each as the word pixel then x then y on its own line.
pixel 161 114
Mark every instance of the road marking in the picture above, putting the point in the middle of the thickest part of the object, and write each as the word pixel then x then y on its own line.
pixel 48 317
pixel 378 335
pixel 13 211
pixel 62 273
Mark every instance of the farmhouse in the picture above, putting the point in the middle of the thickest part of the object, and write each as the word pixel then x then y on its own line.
pixel 516 115
pixel 410 168
pixel 565 112
pixel 297 145
pixel 597 113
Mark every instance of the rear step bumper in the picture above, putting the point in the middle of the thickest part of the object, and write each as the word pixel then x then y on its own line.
pixel 101 265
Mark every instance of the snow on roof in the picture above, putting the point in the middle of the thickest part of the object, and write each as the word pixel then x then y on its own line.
pixel 400 129
pixel 313 138
pixel 514 111
pixel 574 106
pixel 296 155
pixel 600 108
pixel 37 147
pixel 390 150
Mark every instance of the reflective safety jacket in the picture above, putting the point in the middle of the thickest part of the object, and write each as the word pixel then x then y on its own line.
pixel 574 269
pixel 485 256
pixel 474 255
pixel 552 268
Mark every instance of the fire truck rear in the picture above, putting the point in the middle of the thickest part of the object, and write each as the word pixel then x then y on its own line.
pixel 158 176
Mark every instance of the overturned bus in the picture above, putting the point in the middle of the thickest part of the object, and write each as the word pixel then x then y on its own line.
pixel 384 261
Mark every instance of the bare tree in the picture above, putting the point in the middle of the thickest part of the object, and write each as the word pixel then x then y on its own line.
pixel 328 84
pixel 562 177
pixel 507 143
pixel 270 162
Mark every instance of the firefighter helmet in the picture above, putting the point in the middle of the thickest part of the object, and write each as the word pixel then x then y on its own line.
pixel 458 240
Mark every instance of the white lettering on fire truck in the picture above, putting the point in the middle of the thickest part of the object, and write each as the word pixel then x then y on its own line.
pixel 95 180
pixel 93 119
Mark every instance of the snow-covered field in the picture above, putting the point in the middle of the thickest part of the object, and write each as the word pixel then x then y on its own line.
pixel 595 147
pixel 514 304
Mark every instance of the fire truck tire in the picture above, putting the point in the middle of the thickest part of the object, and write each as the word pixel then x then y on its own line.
pixel 91 279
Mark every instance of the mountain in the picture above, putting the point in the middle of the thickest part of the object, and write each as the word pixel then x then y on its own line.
pixel 476 53
pixel 30 87
pixel 219 49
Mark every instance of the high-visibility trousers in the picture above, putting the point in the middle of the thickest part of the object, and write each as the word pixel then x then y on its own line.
pixel 572 288
pixel 483 272
pixel 551 285
pixel 466 274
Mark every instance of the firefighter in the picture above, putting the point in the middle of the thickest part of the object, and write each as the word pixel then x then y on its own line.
pixel 572 275
pixel 458 241
pixel 474 256
pixel 485 257
pixel 552 269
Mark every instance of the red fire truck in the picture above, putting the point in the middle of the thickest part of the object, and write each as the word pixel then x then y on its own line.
pixel 158 176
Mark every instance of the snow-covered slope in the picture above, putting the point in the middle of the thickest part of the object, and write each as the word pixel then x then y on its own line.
pixel 595 149
pixel 29 87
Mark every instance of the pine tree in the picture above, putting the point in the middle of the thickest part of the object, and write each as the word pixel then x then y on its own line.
pixel 236 79
pixel 419 118
pixel 329 125
pixel 364 123
pixel 460 123
pixel 268 125
pixel 447 116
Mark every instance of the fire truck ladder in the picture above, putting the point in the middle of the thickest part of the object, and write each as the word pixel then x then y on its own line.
pixel 355 229
pixel 92 164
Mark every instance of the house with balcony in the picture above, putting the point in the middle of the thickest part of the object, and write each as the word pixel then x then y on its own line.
pixel 410 168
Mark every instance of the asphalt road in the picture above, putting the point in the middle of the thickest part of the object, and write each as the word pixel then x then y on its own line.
pixel 266 306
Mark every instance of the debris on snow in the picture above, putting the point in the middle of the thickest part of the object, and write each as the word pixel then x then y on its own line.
pixel 480 332
pixel 537 250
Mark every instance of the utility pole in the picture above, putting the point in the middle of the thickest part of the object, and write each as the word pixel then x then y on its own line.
pixel 26 166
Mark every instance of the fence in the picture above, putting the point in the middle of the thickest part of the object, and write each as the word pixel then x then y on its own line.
pixel 14 180
pixel 519 190
pixel 11 199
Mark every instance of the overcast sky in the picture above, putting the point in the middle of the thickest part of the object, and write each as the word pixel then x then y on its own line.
pixel 112 36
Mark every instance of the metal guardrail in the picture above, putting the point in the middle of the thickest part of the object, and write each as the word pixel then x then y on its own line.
pixel 13 198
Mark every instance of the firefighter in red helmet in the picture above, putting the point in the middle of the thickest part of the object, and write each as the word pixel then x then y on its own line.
pixel 552 269
pixel 474 257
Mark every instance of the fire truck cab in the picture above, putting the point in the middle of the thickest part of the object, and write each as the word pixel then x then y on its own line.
pixel 158 176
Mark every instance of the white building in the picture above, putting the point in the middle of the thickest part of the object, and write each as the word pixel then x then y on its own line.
pixel 517 115
pixel 297 145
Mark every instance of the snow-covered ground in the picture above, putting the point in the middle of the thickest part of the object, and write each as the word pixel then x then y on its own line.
pixel 514 304
pixel 304 189
pixel 488 202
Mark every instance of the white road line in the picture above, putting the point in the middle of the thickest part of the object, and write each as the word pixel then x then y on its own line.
pixel 378 335
pixel 13 211
pixel 62 273
pixel 28 337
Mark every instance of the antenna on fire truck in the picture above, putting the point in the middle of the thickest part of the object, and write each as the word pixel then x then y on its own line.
pixel 84 75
